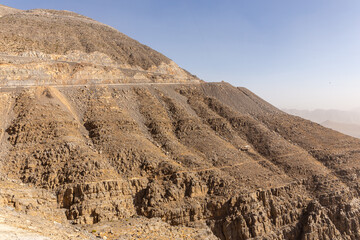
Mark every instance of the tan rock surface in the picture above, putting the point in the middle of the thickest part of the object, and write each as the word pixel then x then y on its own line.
pixel 174 159
pixel 4 10
pixel 187 154
pixel 69 48
pixel 29 213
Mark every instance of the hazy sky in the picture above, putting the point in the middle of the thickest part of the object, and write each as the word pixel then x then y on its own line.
pixel 295 54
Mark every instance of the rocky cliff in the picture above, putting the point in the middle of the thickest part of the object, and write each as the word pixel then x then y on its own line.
pixel 189 160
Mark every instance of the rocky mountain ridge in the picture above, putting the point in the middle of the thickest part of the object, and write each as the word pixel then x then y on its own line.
pixel 171 158
pixel 69 48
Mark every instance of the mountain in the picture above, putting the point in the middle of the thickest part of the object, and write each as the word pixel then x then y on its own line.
pixel 162 156
pixel 322 115
pixel 346 128
pixel 347 122
pixel 69 48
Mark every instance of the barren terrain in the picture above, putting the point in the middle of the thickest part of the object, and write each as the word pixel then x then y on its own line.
pixel 157 156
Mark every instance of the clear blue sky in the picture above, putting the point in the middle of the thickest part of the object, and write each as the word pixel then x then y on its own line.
pixel 295 54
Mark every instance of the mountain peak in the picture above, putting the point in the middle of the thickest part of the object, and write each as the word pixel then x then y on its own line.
pixel 70 48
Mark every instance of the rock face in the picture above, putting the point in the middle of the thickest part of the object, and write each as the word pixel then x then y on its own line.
pixel 190 160
pixel 187 154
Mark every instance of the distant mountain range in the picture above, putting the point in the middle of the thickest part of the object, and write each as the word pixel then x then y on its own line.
pixel 347 122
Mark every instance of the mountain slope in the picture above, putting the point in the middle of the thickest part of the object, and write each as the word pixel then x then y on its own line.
pixel 71 48
pixel 163 156
pixel 186 154
pixel 62 31
pixel 5 10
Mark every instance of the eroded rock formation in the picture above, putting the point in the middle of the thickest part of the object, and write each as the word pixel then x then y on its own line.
pixel 188 154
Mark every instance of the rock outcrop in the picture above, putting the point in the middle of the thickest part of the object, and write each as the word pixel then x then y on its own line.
pixel 189 154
